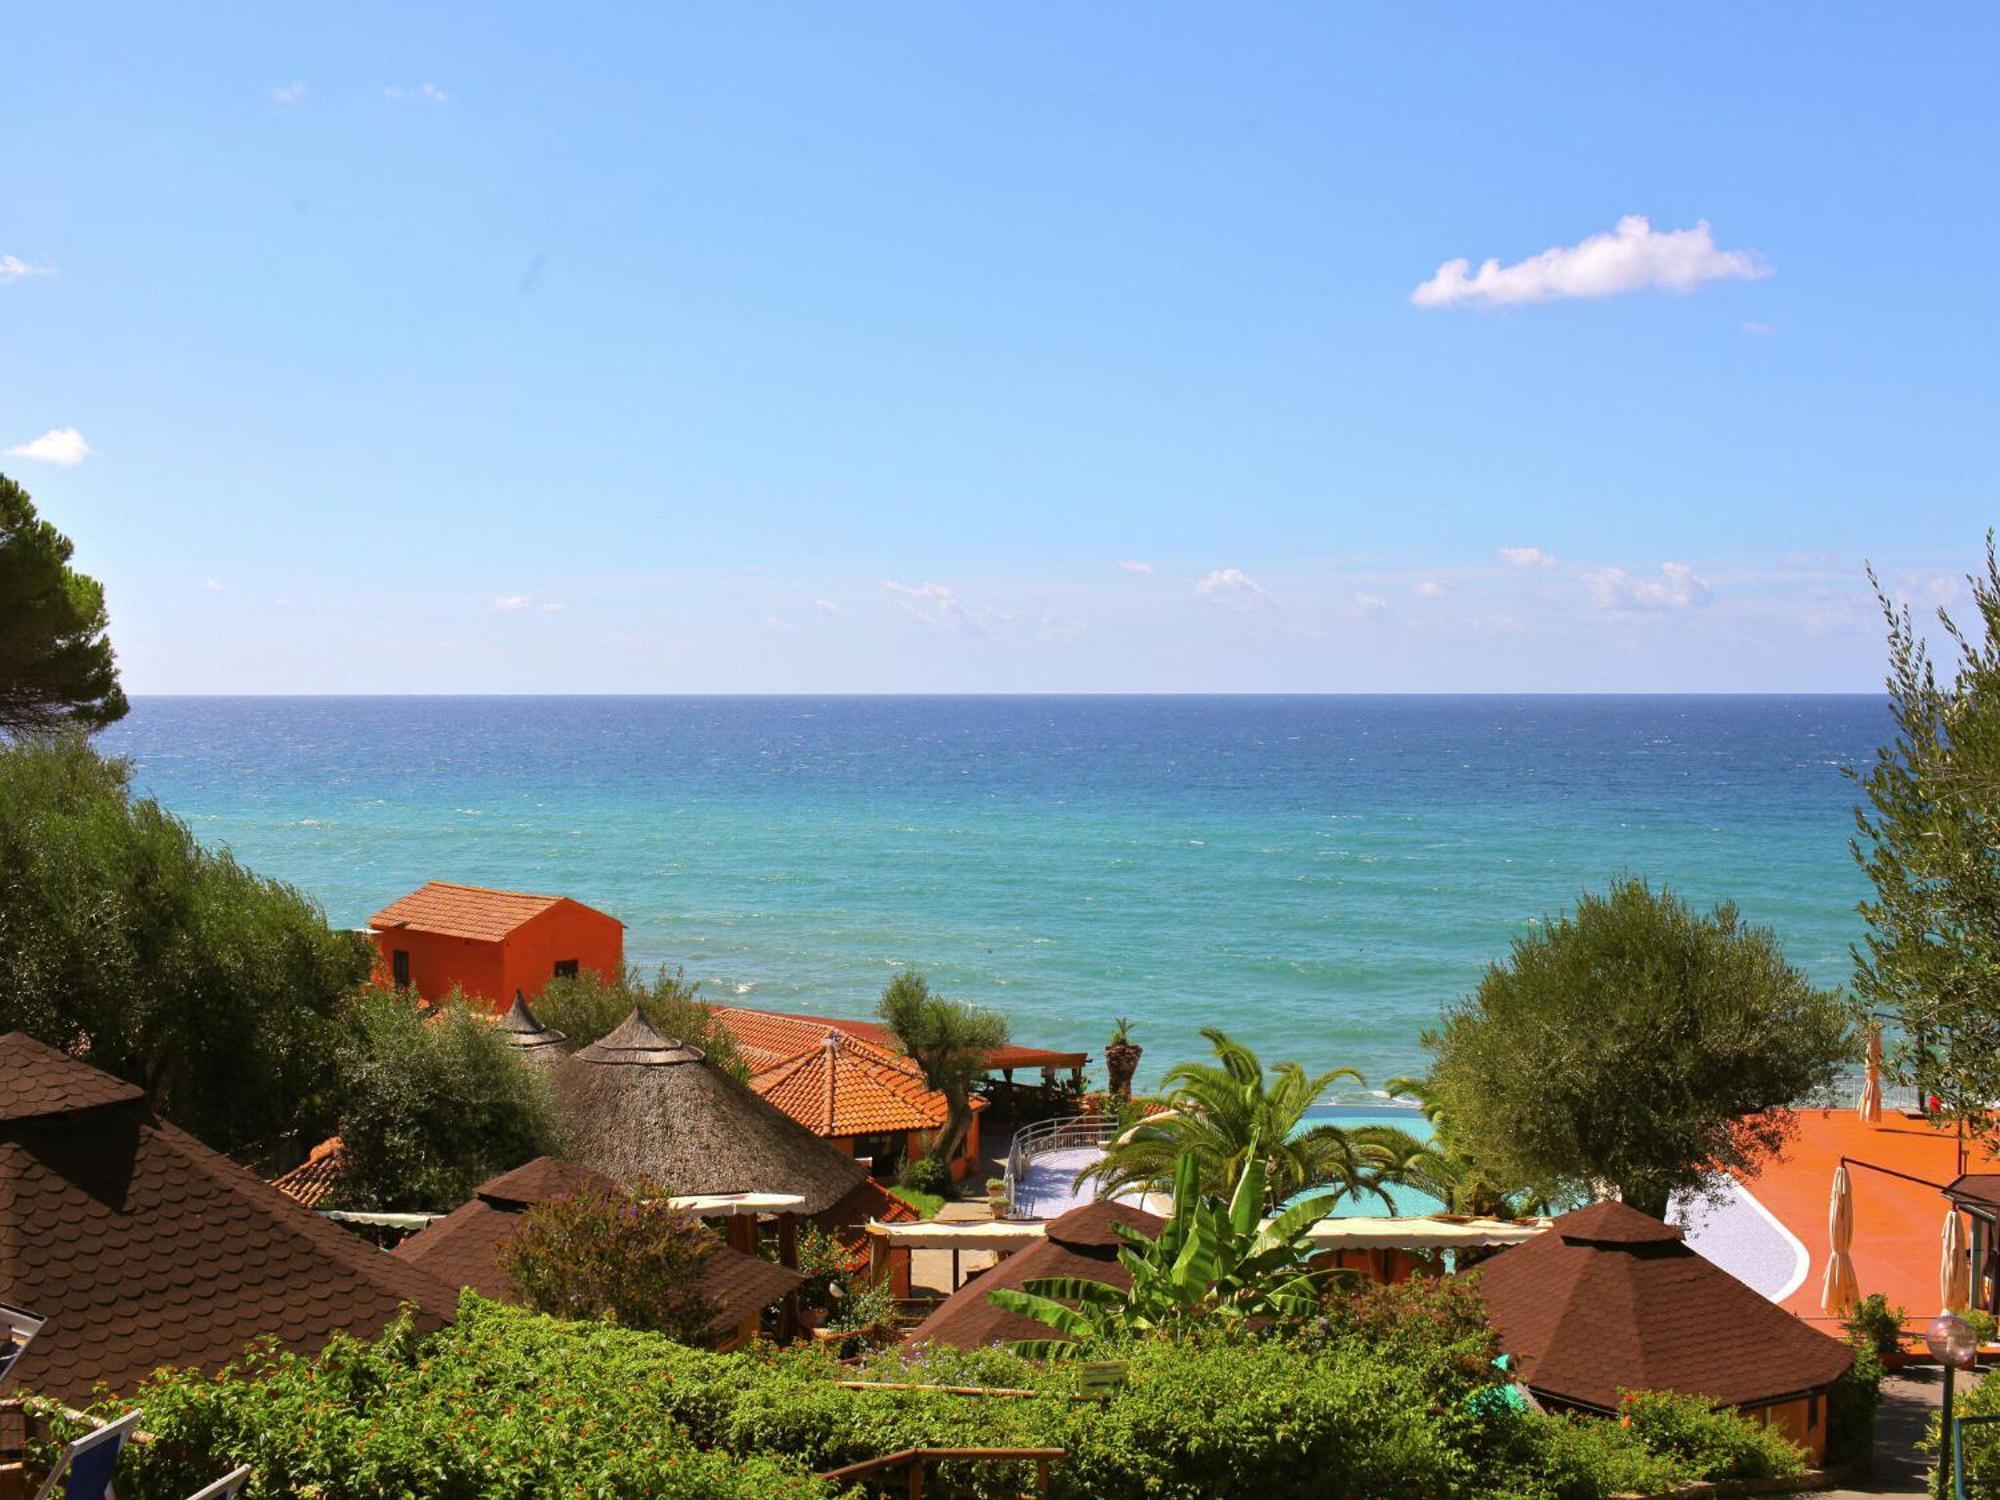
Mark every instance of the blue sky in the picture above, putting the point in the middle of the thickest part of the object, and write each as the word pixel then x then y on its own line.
pixel 953 348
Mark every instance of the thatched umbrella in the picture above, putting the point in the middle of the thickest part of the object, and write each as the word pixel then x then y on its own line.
pixel 640 1106
pixel 527 1035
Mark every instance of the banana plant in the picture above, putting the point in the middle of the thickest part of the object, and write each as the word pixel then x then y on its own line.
pixel 1210 1261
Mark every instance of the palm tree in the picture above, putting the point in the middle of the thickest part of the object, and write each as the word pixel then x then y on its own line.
pixel 1440 1166
pixel 1222 1114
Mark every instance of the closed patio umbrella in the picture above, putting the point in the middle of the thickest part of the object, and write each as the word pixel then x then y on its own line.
pixel 1840 1290
pixel 1870 1106
pixel 1954 1264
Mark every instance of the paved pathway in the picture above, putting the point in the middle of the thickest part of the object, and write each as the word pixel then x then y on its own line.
pixel 1908 1400
pixel 1048 1188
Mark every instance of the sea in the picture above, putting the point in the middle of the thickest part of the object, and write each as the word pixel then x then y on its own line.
pixel 1316 876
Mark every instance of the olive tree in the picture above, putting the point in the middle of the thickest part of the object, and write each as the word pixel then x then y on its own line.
pixel 56 665
pixel 1636 1045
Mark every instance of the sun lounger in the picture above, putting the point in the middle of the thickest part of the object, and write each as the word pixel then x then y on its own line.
pixel 226 1487
pixel 84 1470
pixel 17 1326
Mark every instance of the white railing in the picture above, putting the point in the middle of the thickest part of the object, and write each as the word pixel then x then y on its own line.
pixel 1031 1141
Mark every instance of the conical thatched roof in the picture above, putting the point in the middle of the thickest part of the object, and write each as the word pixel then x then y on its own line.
pixel 639 1106
pixel 524 1032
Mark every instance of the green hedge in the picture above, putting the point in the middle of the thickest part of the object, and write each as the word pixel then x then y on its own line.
pixel 508 1404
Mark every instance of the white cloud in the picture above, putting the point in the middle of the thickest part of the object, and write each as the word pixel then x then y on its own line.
pixel 1751 325
pixel 1677 587
pixel 778 624
pixel 213 585
pixel 513 604
pixel 13 268
pixel 1527 557
pixel 554 608
pixel 1496 624
pixel 1630 258
pixel 826 606
pixel 62 446
pixel 1429 588
pixel 1133 565
pixel 289 93
pixel 428 93
pixel 1368 606
pixel 935 604
pixel 1234 589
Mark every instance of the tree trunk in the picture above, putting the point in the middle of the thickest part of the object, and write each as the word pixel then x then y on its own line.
pixel 946 1143
pixel 1121 1061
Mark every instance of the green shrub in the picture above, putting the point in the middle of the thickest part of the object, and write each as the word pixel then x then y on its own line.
pixel 624 1257
pixel 1850 1410
pixel 1877 1325
pixel 930 1176
pixel 1702 1439
pixel 432 1106
pixel 587 1006
pixel 1581 1458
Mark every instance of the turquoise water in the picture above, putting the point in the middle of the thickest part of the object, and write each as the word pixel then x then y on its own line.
pixel 1316 875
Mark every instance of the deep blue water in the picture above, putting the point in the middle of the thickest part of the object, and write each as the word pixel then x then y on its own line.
pixel 1316 875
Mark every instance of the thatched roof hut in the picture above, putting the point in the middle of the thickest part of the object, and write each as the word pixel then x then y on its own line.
pixel 538 1044
pixel 640 1106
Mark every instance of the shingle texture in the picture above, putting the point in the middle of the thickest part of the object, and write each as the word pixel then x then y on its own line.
pixel 1610 1299
pixel 1081 1243
pixel 464 1247
pixel 845 1086
pixel 465 911
pixel 143 1248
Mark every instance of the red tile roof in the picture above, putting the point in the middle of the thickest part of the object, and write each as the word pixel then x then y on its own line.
pixel 1610 1299
pixel 313 1180
pixel 1081 1243
pixel 143 1248
pixel 768 1037
pixel 844 1086
pixel 464 1247
pixel 467 911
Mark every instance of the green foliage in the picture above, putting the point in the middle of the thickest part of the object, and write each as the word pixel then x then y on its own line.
pixel 1212 1264
pixel 1637 1044
pixel 57 670
pixel 1874 1324
pixel 1444 1166
pixel 1214 1112
pixel 1980 1398
pixel 1121 1032
pixel 928 1177
pixel 625 1258
pixel 509 1404
pixel 1698 1438
pixel 432 1105
pixel 1929 838
pixel 949 1040
pixel 1850 1407
pixel 586 1006
pixel 125 942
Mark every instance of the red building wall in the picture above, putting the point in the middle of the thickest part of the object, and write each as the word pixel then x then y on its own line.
pixel 524 960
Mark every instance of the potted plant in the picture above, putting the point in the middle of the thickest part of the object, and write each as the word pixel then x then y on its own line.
pixel 1121 1058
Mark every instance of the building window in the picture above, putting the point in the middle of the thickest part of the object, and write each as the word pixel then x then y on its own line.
pixel 566 968
pixel 399 968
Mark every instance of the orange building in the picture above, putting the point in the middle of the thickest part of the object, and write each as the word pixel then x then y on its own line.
pixel 490 944
pixel 866 1100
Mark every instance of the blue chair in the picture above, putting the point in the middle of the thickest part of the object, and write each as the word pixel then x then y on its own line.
pixel 226 1487
pixel 17 1327
pixel 84 1470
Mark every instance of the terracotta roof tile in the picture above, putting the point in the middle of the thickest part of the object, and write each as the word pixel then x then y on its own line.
pixel 143 1248
pixel 847 1220
pixel 1611 1299
pixel 843 1086
pixel 313 1180
pixel 464 1247
pixel 466 911
pixel 768 1037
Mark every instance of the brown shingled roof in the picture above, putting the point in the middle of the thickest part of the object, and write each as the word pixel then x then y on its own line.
pixel 1611 1299
pixel 465 1246
pixel 1081 1243
pixel 468 911
pixel 143 1248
